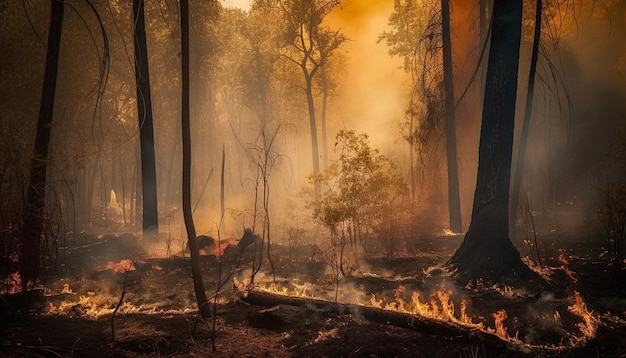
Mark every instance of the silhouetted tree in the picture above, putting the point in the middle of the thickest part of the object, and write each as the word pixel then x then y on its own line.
pixel 487 251
pixel 310 47
pixel 198 280
pixel 33 225
pixel 146 133
pixel 454 200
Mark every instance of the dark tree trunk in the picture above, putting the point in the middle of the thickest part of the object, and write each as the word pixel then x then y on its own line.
pixel 454 201
pixel 30 259
pixel 487 252
pixel 198 280
pixel 146 134
pixel 516 183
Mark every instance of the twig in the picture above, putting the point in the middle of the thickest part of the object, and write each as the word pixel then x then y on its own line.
pixel 118 306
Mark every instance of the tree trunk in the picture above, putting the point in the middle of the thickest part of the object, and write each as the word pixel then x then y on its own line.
pixel 454 201
pixel 198 280
pixel 521 156
pixel 30 260
pixel 146 134
pixel 325 94
pixel 486 251
pixel 313 125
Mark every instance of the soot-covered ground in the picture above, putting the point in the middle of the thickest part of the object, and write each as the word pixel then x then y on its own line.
pixel 72 316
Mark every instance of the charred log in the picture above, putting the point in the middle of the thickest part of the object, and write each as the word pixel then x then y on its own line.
pixel 449 330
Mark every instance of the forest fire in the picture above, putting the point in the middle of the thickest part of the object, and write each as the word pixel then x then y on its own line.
pixel 440 307
pixel 303 178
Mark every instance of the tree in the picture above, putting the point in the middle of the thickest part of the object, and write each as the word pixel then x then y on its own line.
pixel 421 36
pixel 454 201
pixel 358 191
pixel 516 181
pixel 146 132
pixel 33 225
pixel 198 281
pixel 358 188
pixel 262 94
pixel 310 46
pixel 487 251
pixel 407 24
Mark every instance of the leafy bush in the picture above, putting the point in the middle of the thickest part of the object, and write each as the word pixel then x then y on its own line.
pixel 358 191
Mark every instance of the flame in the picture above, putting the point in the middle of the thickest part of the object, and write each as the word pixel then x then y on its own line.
pixel 122 266
pixel 296 291
pixel 565 266
pixel 448 232
pixel 439 307
pixel 67 289
pixel 13 284
pixel 589 325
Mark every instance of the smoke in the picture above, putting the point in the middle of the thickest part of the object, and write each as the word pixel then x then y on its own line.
pixel 372 94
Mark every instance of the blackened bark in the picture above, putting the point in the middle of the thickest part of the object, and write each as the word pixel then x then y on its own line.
pixel 196 271
pixel 454 200
pixel 487 251
pixel 146 132
pixel 30 259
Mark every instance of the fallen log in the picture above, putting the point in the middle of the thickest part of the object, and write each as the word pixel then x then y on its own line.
pixel 447 330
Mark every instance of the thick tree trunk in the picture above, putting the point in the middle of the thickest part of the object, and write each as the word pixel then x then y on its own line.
pixel 196 271
pixel 487 252
pixel 30 259
pixel 454 200
pixel 146 132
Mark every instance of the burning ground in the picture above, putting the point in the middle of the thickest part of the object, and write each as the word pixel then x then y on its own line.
pixel 109 298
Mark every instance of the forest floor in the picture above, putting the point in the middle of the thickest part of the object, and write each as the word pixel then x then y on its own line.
pixel 580 312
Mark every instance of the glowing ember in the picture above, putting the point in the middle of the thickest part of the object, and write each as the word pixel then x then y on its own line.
pixel 325 335
pixel 122 266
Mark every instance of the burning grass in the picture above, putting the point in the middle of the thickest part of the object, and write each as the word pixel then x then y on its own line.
pixel 416 289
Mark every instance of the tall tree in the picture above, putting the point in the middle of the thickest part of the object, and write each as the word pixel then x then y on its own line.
pixel 454 200
pixel 146 132
pixel 33 229
pixel 516 181
pixel 487 251
pixel 198 280
pixel 310 46
pixel 262 95
pixel 407 24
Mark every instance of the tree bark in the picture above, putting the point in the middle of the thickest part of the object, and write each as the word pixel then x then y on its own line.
pixel 146 133
pixel 198 280
pixel 454 201
pixel 486 251
pixel 33 229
